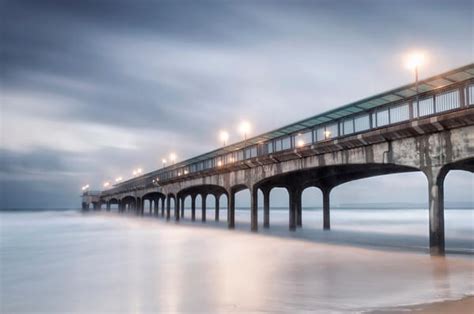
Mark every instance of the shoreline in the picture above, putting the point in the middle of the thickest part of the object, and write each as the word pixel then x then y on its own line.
pixel 465 305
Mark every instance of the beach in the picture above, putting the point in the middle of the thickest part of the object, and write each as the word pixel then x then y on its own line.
pixel 67 261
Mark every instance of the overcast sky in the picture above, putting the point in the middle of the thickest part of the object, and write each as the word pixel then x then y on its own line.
pixel 91 90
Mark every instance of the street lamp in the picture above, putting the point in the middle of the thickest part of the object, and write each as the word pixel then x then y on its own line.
pixel 118 179
pixel 413 62
pixel 244 129
pixel 106 184
pixel 327 134
pixel 224 136
pixel 173 158
pixel 163 162
pixel 85 187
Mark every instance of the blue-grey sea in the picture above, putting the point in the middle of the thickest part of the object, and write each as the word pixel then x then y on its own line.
pixel 99 262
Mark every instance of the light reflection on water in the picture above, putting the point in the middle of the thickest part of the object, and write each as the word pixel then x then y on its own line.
pixel 68 262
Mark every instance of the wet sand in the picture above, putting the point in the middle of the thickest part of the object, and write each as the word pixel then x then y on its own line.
pixel 462 306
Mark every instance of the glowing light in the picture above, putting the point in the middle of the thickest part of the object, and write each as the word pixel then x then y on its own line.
pixel 300 143
pixel 118 179
pixel 219 163
pixel 139 170
pixel 244 128
pixel 223 136
pixel 172 157
pixel 414 60
pixel 106 184
pixel 85 187
pixel 327 134
pixel 163 161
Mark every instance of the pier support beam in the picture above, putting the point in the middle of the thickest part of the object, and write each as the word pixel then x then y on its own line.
pixel 216 216
pixel 203 207
pixel 182 206
pixel 168 207
pixel 155 204
pixel 163 206
pixel 299 209
pixel 254 209
pixel 266 208
pixel 293 208
pixel 177 202
pixel 435 176
pixel 326 208
pixel 193 207
pixel 231 210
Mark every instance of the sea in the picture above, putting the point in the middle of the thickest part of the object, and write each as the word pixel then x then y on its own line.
pixel 68 261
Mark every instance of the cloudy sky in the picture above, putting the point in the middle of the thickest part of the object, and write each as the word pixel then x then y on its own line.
pixel 92 89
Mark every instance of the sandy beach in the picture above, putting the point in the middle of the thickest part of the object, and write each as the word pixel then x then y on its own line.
pixel 462 306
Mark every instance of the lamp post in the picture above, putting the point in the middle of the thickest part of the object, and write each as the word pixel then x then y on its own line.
pixel 223 136
pixel 244 129
pixel 173 158
pixel 163 162
pixel 413 62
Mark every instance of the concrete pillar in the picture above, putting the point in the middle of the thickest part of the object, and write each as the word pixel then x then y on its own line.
pixel 168 207
pixel 266 208
pixel 231 211
pixel 216 216
pixel 254 209
pixel 182 206
pixel 155 204
pixel 292 209
pixel 435 176
pixel 299 209
pixel 203 207
pixel 163 206
pixel 193 207
pixel 326 208
pixel 108 206
pixel 176 208
pixel 139 206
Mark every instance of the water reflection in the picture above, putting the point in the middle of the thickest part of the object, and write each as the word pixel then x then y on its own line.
pixel 111 263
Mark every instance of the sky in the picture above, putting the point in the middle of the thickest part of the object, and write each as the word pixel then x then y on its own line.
pixel 91 90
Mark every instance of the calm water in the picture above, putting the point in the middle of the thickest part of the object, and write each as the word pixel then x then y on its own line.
pixel 59 262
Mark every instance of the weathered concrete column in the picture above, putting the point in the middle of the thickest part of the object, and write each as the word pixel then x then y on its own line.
pixel 435 176
pixel 108 206
pixel 254 209
pixel 326 208
pixel 163 206
pixel 266 208
pixel 231 210
pixel 299 209
pixel 168 207
pixel 176 208
pixel 139 206
pixel 203 207
pixel 193 207
pixel 155 204
pixel 182 206
pixel 216 216
pixel 292 208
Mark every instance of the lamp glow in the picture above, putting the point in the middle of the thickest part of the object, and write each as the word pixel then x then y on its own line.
pixel 224 137
pixel 173 157
pixel 414 60
pixel 300 143
pixel 244 128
